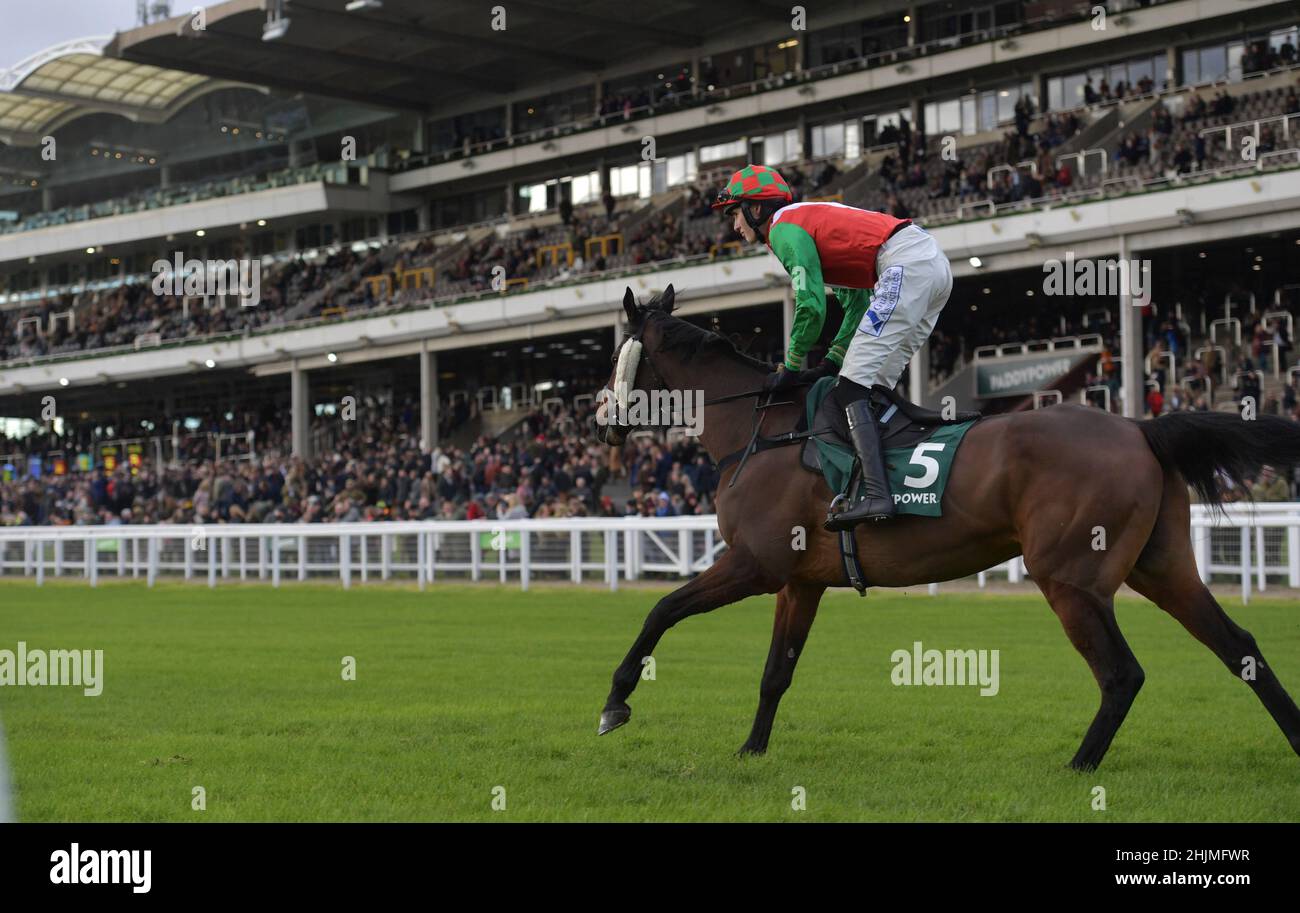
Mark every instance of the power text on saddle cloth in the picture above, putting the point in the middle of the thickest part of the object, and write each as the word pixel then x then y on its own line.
pixel 918 473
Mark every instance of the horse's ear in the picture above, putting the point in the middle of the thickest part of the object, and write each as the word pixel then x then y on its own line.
pixel 630 305
pixel 666 299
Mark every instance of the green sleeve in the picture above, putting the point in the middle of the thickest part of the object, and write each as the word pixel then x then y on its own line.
pixel 855 302
pixel 797 252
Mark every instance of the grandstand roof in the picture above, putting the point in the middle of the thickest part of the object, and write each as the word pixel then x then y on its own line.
pixel 419 56
pixel 74 78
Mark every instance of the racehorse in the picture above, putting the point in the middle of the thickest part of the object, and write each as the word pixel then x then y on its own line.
pixel 1033 483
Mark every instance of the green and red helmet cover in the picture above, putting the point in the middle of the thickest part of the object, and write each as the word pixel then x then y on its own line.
pixel 754 183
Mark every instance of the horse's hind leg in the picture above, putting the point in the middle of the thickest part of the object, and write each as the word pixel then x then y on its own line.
pixel 796 608
pixel 735 576
pixel 1166 574
pixel 1089 621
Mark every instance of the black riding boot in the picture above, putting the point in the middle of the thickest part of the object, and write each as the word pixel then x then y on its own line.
pixel 878 503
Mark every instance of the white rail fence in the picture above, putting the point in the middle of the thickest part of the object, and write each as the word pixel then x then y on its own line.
pixel 1251 543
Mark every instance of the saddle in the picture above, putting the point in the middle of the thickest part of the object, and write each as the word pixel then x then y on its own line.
pixel 902 422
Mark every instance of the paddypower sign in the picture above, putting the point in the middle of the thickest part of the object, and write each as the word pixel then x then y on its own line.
pixel 1021 376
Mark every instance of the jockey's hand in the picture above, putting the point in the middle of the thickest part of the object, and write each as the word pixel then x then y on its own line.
pixel 780 379
pixel 824 368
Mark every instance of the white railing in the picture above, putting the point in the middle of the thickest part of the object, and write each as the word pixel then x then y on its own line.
pixel 1250 543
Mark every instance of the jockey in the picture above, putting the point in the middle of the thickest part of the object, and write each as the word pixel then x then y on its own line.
pixel 892 280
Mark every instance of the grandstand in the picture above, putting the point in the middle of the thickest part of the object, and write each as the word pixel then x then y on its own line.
pixel 445 217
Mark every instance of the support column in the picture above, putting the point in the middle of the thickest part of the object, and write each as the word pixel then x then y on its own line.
pixel 300 408
pixel 428 399
pixel 918 375
pixel 911 25
pixel 1132 377
pixel 787 318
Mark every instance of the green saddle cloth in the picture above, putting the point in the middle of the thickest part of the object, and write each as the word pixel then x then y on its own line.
pixel 918 473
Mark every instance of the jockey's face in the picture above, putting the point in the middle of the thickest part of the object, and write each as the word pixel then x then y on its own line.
pixel 741 227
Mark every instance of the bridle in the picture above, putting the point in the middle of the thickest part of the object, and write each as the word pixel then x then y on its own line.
pixel 628 361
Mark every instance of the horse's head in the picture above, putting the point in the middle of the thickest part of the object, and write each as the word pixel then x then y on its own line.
pixel 633 367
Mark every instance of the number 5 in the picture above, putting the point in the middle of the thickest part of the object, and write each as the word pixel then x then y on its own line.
pixel 928 463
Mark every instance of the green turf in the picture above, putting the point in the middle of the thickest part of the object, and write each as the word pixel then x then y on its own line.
pixel 463 689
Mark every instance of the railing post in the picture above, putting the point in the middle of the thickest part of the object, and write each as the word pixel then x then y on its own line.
pixel 420 568
pixel 214 543
pixel 684 552
pixel 58 557
pixel 525 549
pixel 225 558
pixel 361 554
pixel 189 558
pixel 611 558
pixel 345 560
pixel 302 557
pixel 121 557
pixel 243 558
pixel 1293 556
pixel 631 552
pixel 40 562
pixel 385 560
pixel 1245 564
pixel 1262 571
pixel 92 565
pixel 151 555
pixel 263 556
pixel 475 556
pixel 275 560
pixel 575 556
pixel 1201 550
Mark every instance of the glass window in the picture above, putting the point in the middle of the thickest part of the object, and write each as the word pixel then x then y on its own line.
pixel 1056 93
pixel 1235 51
pixel 1214 63
pixel 722 151
pixel 586 187
pixel 828 139
pixel 852 140
pixel 1191 67
pixel 1006 105
pixel 1140 70
pixel 969 121
pixel 988 110
pixel 535 196
pixel 950 116
pixel 681 168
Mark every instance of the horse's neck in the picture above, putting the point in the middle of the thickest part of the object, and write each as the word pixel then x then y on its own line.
pixel 726 427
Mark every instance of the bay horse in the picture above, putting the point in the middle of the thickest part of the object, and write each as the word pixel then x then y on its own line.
pixel 1034 483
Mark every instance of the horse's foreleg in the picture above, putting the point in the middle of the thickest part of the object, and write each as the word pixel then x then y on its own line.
pixel 1089 621
pixel 796 608
pixel 734 577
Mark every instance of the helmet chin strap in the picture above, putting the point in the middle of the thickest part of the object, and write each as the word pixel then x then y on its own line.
pixel 750 220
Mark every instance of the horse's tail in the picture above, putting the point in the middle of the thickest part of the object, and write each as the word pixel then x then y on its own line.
pixel 1200 445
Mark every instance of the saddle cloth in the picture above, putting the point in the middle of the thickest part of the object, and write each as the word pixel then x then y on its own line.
pixel 920 446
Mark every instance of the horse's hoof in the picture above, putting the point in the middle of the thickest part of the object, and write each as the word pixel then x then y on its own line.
pixel 748 750
pixel 612 719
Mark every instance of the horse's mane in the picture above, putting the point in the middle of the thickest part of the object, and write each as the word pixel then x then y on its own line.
pixel 676 335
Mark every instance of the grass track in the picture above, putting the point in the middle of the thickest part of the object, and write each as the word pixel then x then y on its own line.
pixel 462 689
